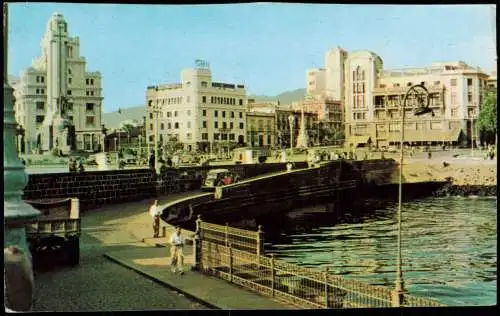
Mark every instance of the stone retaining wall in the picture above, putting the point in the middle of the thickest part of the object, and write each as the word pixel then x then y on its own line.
pixel 93 188
pixel 96 188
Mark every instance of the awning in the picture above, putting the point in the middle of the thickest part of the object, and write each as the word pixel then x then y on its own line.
pixel 354 141
pixel 426 136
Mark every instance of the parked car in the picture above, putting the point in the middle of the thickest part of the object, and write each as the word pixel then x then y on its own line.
pixel 218 177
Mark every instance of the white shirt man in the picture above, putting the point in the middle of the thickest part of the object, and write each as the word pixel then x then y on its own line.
pixel 177 242
pixel 155 212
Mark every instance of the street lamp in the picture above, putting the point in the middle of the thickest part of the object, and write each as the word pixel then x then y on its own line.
pixel 471 117
pixel 18 279
pixel 420 97
pixel 156 111
pixel 291 119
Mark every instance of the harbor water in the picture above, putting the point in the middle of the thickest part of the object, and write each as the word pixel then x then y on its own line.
pixel 449 248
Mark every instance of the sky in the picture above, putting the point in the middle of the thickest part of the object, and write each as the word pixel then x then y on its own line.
pixel 268 47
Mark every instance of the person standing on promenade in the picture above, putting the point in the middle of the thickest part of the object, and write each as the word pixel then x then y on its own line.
pixel 177 242
pixel 155 214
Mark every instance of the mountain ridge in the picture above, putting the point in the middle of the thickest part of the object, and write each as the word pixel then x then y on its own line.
pixel 112 119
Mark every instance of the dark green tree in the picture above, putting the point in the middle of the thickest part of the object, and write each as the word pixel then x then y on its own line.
pixel 487 119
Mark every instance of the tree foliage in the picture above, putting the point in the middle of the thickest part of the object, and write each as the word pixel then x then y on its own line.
pixel 487 119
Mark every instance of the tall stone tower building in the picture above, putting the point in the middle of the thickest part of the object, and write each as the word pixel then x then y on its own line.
pixel 334 78
pixel 58 103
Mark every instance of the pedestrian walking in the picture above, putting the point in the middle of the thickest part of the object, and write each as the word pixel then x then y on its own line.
pixel 155 213
pixel 177 242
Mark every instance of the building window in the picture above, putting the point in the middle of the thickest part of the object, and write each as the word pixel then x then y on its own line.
pixel 204 112
pixel 453 82
pixel 70 106
pixel 169 114
pixel 151 115
pixel 90 120
pixel 40 105
pixel 70 118
pixel 151 126
pixel 91 81
pixel 232 114
pixel 69 92
pixel 241 102
pixel 223 113
pixel 89 107
pixel 204 124
pixel 216 124
pixel 436 83
pixel 469 97
pixel 162 126
pixel 188 136
pixel 241 114
pixel 224 125
pixel 216 136
pixel 231 136
pixel 37 79
pixel 242 125
pixel 69 80
pixel 69 71
pixel 176 125
pixel 230 124
pixel 37 91
pixel 204 136
pixel 469 82
pixel 87 93
pixel 223 136
pixel 39 119
pixel 203 84
pixel 216 113
pixel 212 99
pixel 204 99
pixel 175 113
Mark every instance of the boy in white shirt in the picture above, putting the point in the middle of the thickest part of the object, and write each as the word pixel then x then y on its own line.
pixel 155 212
pixel 177 255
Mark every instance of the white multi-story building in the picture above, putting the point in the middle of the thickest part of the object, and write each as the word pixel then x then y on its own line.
pixel 59 74
pixel 334 78
pixel 315 81
pixel 373 97
pixel 202 114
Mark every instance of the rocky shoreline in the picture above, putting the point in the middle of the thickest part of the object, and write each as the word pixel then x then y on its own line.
pixel 466 190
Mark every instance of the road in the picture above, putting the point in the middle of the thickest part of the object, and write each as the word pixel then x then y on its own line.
pixel 98 284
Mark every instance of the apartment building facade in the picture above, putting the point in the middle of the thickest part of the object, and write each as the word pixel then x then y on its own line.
pixel 315 81
pixel 373 97
pixel 202 114
pixel 261 128
pixel 59 74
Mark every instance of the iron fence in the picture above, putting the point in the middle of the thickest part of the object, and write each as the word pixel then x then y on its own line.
pixel 241 239
pixel 292 284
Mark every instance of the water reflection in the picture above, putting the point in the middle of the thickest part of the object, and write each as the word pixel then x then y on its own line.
pixel 449 248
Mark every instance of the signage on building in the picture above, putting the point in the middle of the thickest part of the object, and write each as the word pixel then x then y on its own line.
pixel 202 64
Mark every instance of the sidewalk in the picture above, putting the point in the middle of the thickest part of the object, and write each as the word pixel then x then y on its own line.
pixel 130 226
pixel 154 263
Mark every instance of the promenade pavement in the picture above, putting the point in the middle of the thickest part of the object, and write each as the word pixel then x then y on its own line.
pixel 142 279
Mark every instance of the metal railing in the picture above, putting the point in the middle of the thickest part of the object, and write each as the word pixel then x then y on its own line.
pixel 292 284
pixel 241 239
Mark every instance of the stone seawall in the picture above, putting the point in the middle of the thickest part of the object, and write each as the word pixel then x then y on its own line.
pixel 97 188
pixel 93 188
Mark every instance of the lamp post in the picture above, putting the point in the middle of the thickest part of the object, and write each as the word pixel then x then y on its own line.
pixel 18 273
pixel 156 111
pixel 420 97
pixel 291 120
pixel 471 134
